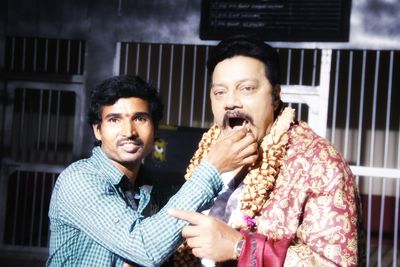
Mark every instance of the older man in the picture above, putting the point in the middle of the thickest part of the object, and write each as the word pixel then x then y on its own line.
pixel 298 205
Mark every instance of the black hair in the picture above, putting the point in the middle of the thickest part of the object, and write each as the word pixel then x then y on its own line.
pixel 249 47
pixel 124 86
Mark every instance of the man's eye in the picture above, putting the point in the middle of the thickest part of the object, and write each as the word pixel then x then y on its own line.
pixel 248 88
pixel 219 92
pixel 113 120
pixel 142 119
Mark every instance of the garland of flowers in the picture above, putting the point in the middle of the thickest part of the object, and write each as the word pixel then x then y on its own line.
pixel 260 180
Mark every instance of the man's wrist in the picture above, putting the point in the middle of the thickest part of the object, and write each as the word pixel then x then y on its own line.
pixel 238 248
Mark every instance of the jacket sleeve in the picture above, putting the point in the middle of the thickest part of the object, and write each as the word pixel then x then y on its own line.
pixel 259 251
pixel 329 233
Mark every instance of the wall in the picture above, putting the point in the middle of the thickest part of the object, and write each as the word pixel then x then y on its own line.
pixel 374 24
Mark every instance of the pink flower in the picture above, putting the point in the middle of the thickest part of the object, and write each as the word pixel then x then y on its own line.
pixel 251 222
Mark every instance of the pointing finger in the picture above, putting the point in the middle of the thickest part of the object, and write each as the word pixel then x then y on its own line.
pixel 193 218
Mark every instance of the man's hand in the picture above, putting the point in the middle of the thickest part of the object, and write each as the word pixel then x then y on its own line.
pixel 128 265
pixel 234 150
pixel 208 237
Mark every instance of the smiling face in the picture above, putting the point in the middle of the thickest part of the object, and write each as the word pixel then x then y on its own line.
pixel 241 93
pixel 126 133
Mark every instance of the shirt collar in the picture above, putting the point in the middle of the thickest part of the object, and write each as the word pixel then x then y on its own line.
pixel 114 174
pixel 105 165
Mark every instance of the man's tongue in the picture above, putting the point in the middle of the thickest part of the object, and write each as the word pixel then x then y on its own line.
pixel 235 123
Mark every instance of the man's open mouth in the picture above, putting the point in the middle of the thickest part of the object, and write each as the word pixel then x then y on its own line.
pixel 236 119
pixel 233 122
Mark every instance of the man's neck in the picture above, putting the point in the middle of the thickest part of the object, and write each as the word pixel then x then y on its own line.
pixel 130 171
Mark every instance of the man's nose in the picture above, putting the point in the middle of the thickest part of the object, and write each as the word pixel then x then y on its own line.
pixel 232 100
pixel 128 128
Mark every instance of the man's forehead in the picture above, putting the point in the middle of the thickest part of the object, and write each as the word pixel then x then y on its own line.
pixel 129 104
pixel 238 67
pixel 240 81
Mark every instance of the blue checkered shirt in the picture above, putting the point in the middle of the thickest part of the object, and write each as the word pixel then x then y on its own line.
pixel 92 224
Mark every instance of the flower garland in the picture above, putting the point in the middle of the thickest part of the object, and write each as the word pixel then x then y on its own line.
pixel 260 180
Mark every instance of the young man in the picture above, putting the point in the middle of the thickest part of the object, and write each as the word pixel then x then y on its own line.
pixel 298 205
pixel 100 210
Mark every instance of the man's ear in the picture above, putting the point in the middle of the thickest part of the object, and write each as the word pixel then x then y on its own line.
pixel 96 131
pixel 276 96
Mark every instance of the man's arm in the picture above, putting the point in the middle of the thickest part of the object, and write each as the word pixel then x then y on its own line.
pixel 327 235
pixel 211 238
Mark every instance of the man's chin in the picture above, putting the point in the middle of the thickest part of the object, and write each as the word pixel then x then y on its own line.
pixel 131 159
pixel 131 154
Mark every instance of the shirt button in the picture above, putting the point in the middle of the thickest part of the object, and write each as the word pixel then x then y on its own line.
pixel 116 220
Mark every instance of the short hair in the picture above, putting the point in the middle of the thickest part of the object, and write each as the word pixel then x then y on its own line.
pixel 123 86
pixel 248 47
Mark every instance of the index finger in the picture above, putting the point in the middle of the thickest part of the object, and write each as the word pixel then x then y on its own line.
pixel 192 217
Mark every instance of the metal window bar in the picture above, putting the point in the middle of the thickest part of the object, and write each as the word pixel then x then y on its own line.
pixel 79 71
pixel 46 55
pixel 42 214
pixel 314 71
pixel 171 64
pixel 348 105
pixel 39 129
pixel 335 97
pixel 382 214
pixel 383 193
pixel 56 63
pixel 16 207
pixel 397 206
pixel 57 126
pixel 181 84
pixel 33 209
pixel 205 86
pixel 47 135
pixel 23 60
pixel 35 51
pixel 289 64
pixel 160 50
pixel 300 81
pixel 12 64
pixel 148 63
pixel 301 66
pixel 361 112
pixel 68 55
pixel 126 58
pixel 137 58
pixel 21 138
pixel 371 159
pixel 193 85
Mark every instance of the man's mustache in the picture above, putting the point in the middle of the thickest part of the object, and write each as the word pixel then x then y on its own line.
pixel 133 139
pixel 237 115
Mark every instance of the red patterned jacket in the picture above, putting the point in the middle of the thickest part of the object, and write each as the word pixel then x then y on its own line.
pixel 312 216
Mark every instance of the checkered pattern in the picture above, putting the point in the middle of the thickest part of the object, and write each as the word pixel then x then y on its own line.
pixel 93 225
